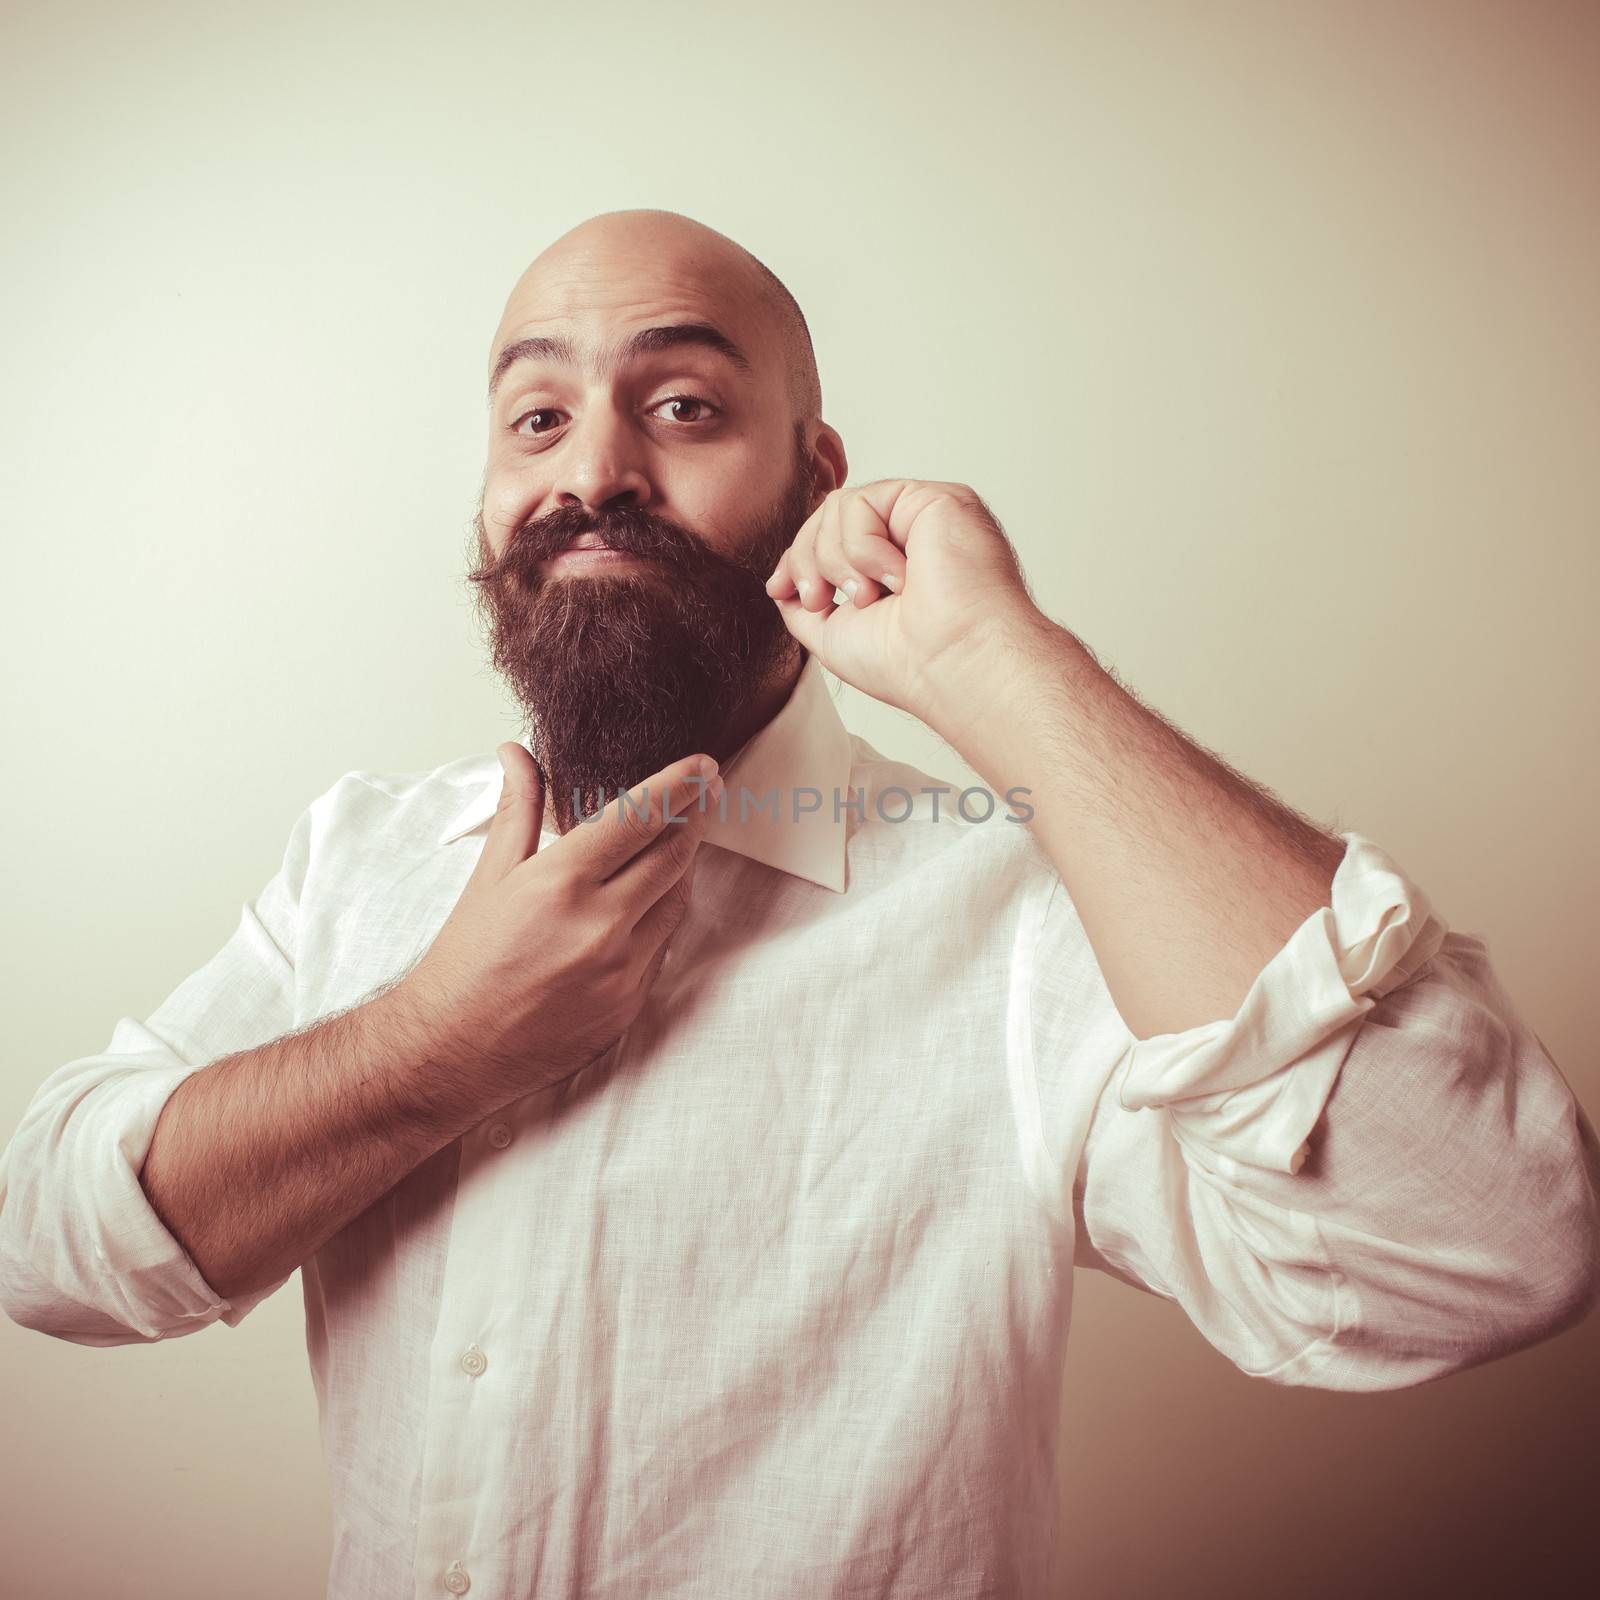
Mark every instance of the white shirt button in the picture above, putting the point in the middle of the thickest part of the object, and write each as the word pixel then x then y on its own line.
pixel 499 1134
pixel 456 1579
pixel 474 1363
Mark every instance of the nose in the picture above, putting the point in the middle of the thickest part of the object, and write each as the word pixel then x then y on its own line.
pixel 600 467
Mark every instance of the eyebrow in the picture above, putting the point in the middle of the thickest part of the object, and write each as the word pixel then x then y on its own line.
pixel 647 341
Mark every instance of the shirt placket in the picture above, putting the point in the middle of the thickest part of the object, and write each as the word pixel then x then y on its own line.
pixel 465 1413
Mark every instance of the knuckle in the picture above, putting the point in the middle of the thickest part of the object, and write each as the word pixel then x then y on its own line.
pixel 561 899
pixel 684 838
pixel 607 957
pixel 858 544
pixel 666 856
pixel 684 848
pixel 586 936
pixel 639 820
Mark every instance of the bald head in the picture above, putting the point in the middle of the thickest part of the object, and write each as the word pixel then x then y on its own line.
pixel 639 257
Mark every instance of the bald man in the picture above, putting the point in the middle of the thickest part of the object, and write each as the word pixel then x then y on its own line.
pixel 662 643
pixel 686 1119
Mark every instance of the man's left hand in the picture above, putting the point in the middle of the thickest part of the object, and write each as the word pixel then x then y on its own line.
pixel 931 582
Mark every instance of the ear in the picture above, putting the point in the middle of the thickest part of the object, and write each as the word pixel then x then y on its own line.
pixel 831 464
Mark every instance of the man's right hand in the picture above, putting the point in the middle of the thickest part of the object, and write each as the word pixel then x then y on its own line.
pixel 549 954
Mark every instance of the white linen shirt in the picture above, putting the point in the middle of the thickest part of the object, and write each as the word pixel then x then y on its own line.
pixel 772 1299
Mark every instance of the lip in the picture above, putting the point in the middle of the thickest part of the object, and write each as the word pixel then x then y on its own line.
pixel 589 556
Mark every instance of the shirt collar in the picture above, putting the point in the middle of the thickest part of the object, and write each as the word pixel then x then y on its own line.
pixel 804 754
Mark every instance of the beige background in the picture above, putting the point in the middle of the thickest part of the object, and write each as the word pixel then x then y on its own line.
pixel 1269 331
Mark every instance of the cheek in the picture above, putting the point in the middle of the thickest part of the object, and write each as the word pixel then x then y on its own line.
pixel 509 500
pixel 718 521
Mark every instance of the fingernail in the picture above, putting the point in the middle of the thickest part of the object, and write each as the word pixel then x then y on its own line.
pixel 804 586
pixel 851 588
pixel 891 582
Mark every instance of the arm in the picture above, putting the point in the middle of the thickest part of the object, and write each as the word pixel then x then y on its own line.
pixel 260 1158
pixel 147 1194
pixel 83 1254
pixel 1328 1135
pixel 1405 1189
pixel 1216 961
pixel 1187 876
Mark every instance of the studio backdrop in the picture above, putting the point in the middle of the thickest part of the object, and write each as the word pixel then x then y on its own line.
pixel 1268 331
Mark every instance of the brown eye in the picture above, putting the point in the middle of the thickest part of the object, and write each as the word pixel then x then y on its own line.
pixel 521 423
pixel 686 400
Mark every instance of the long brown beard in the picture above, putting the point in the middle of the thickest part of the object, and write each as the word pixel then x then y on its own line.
pixel 621 673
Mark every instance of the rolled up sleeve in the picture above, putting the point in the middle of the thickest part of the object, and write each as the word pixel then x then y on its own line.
pixel 83 1254
pixel 1370 1176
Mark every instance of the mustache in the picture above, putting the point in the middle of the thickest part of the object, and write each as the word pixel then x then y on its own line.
pixel 630 529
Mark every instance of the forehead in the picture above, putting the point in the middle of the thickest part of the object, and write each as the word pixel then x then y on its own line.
pixel 594 299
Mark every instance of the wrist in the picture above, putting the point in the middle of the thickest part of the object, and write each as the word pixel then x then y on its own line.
pixel 976 682
pixel 435 1085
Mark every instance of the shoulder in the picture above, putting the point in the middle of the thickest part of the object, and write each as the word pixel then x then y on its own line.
pixel 917 820
pixel 402 807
